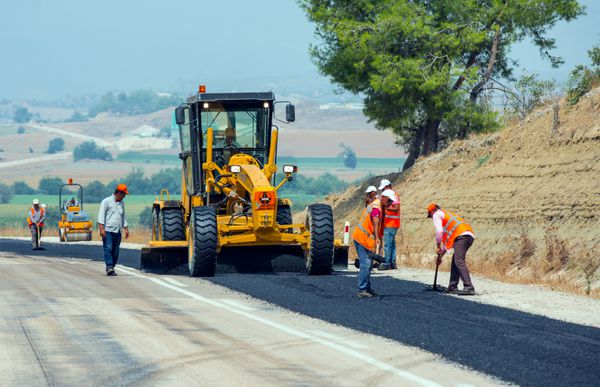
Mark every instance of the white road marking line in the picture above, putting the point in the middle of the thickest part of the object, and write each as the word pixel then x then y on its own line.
pixel 339 339
pixel 237 304
pixel 294 332
pixel 175 282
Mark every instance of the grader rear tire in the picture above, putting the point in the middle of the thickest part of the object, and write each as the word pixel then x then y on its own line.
pixel 284 216
pixel 319 256
pixel 202 251
pixel 171 221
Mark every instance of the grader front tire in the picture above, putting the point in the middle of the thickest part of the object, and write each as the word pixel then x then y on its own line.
pixel 202 254
pixel 319 256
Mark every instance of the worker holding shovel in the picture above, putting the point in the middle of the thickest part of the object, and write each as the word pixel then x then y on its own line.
pixel 452 231
pixel 35 219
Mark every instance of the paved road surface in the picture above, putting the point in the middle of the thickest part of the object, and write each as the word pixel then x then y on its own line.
pixel 63 321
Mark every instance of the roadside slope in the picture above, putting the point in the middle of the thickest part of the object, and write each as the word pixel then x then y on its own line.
pixel 532 196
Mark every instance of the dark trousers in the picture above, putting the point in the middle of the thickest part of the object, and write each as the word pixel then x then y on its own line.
pixel 459 264
pixel 111 243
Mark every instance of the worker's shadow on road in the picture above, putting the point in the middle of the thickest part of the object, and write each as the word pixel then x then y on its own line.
pixel 515 346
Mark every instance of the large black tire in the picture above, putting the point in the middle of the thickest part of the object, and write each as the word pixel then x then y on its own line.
pixel 284 216
pixel 202 252
pixel 319 256
pixel 171 221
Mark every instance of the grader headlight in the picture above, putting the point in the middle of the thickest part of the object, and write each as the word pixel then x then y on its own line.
pixel 235 169
pixel 290 169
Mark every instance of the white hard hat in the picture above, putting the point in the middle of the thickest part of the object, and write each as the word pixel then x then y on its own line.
pixel 384 183
pixel 36 201
pixel 371 188
pixel 390 194
pixel 43 205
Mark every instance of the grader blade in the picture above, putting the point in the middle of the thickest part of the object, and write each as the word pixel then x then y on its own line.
pixel 162 260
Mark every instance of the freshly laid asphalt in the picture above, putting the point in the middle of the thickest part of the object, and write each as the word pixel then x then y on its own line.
pixel 514 346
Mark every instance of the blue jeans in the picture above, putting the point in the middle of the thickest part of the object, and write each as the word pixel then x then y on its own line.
pixel 111 243
pixel 389 245
pixel 364 273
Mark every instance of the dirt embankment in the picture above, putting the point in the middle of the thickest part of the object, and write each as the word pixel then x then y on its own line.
pixel 532 195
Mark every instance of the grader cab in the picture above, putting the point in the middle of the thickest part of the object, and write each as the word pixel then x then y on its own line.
pixel 229 192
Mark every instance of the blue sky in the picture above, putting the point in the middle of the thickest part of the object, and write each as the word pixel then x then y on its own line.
pixel 53 48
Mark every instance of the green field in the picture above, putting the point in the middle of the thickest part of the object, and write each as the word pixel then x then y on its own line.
pixel 14 213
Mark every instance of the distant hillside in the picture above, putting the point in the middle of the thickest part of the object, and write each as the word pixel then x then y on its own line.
pixel 532 196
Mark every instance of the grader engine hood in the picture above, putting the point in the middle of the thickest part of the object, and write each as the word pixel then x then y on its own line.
pixel 263 196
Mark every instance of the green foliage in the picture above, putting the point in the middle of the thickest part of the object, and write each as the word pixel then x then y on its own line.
pixel 136 102
pixel 348 156
pixel 89 150
pixel 96 191
pixel 169 178
pixel 579 83
pixel 76 117
pixel 483 160
pixel 529 92
pixel 22 115
pixel 20 130
pixel 145 219
pixel 22 188
pixel 420 63
pixel 594 54
pixel 321 185
pixel 56 145
pixel 50 185
pixel 6 193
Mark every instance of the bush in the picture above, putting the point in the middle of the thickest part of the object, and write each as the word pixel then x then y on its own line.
pixel 50 185
pixel 20 130
pixel 5 193
pixel 167 178
pixel 22 188
pixel 89 150
pixel 56 145
pixel 146 217
pixel 579 83
pixel 96 191
pixel 348 156
pixel 22 115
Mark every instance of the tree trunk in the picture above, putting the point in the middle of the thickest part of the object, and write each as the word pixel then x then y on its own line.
pixel 430 144
pixel 415 148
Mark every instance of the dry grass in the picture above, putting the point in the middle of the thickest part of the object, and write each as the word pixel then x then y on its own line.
pixel 517 262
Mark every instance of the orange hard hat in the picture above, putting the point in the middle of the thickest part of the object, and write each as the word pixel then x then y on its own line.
pixel 430 208
pixel 122 188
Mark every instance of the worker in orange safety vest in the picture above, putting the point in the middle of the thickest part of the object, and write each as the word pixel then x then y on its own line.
pixel 35 218
pixel 367 241
pixel 391 224
pixel 453 232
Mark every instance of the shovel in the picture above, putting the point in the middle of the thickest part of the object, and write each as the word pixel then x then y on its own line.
pixel 435 287
pixel 38 238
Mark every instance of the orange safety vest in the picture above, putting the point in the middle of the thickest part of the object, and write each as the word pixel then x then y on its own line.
pixel 32 213
pixel 364 232
pixel 392 217
pixel 453 226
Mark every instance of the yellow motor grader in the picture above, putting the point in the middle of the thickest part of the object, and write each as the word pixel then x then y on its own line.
pixel 229 192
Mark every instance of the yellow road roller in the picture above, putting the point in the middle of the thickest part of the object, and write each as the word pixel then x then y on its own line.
pixel 74 224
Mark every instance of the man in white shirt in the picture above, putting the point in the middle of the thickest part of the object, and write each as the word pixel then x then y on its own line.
pixel 111 220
